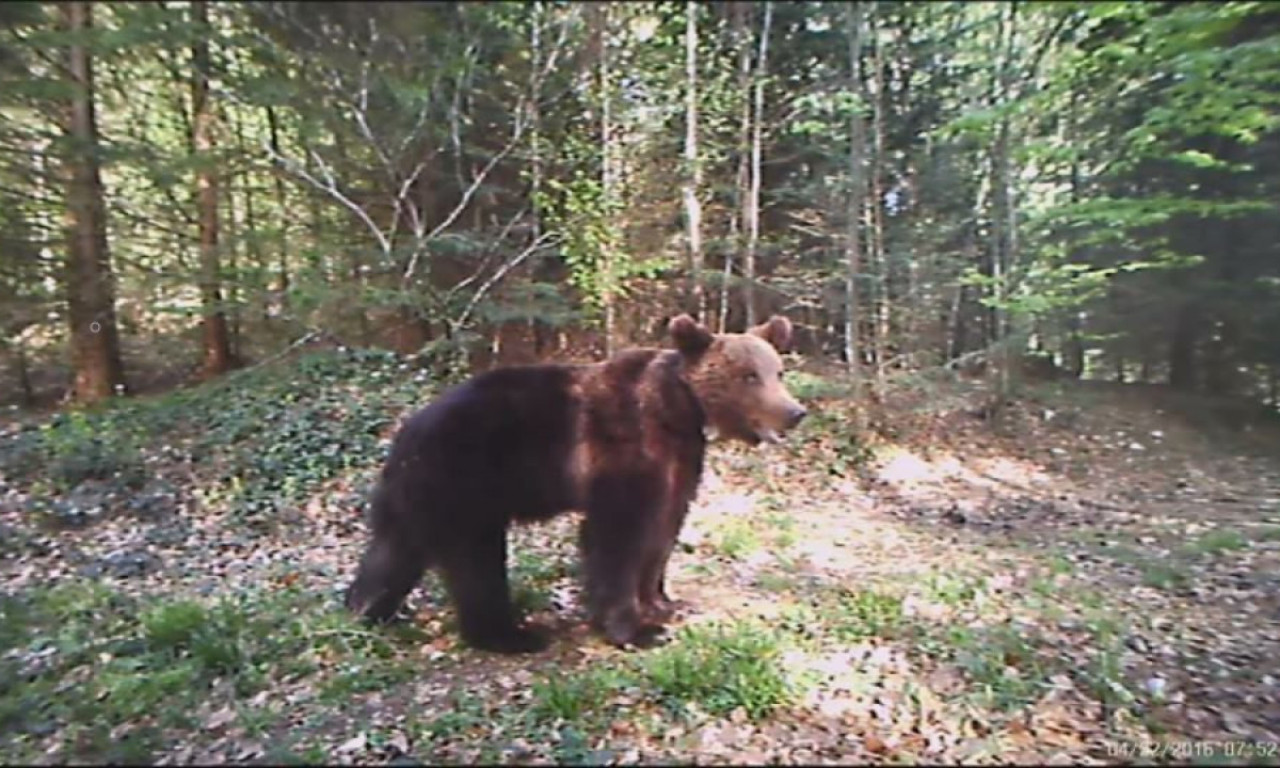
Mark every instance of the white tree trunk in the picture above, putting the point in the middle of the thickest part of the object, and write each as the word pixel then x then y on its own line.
pixel 853 247
pixel 753 199
pixel 693 170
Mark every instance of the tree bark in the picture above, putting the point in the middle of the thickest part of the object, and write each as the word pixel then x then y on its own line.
pixel 693 170
pixel 737 224
pixel 540 330
pixel 1004 218
pixel 1182 348
pixel 852 244
pixel 282 284
pixel 882 292
pixel 600 19
pixel 90 282
pixel 217 348
pixel 753 199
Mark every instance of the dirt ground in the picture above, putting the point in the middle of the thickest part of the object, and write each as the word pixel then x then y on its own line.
pixel 1093 578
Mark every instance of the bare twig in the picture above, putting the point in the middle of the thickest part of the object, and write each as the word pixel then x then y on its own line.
pixel 485 262
pixel 329 186
pixel 499 274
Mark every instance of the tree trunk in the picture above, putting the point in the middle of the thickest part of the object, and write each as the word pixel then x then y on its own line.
pixel 693 170
pixel 1004 217
pixel 540 330
pixel 253 243
pixel 1073 355
pixel 23 371
pixel 1073 352
pixel 1273 386
pixel 217 349
pixel 232 243
pixel 853 246
pixel 1182 348
pixel 607 176
pixel 884 300
pixel 90 283
pixel 737 224
pixel 282 284
pixel 753 199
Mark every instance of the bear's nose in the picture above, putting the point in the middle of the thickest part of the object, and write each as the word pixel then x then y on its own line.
pixel 793 418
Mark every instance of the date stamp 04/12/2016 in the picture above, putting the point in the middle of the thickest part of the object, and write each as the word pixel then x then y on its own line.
pixel 1186 750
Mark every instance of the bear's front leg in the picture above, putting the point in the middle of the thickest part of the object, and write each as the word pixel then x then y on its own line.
pixel 618 541
pixel 655 605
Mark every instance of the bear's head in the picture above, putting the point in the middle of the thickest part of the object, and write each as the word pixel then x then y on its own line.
pixel 738 378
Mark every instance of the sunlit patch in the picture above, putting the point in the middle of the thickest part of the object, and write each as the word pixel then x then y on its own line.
pixel 906 467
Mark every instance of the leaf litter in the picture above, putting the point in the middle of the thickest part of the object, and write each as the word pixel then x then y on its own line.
pixel 960 595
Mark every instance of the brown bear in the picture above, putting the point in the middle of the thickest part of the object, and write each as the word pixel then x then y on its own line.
pixel 622 441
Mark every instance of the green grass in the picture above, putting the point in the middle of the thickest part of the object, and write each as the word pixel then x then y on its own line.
pixel 466 716
pixel 860 614
pixel 570 697
pixel 86 660
pixel 1162 575
pixel 719 669
pixel 533 573
pixel 953 590
pixel 807 386
pixel 736 539
pixel 1217 541
pixel 1002 662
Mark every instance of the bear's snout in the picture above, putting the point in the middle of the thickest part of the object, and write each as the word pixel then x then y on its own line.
pixel 794 416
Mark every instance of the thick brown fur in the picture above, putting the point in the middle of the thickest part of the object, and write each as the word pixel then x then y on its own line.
pixel 622 441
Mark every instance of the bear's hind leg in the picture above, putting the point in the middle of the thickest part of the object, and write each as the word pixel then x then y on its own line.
pixel 476 576
pixel 388 571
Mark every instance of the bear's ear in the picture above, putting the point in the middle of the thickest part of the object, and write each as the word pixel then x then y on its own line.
pixel 689 337
pixel 776 330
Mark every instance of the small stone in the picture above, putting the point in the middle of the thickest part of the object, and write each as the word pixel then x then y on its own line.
pixel 1156 687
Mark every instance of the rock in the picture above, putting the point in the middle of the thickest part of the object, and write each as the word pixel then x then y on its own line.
pixel 122 565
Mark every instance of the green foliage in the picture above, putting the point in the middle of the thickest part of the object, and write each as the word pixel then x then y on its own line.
pixel 569 698
pixel 859 614
pixel 84 660
pixel 1218 541
pixel 1003 662
pixel 722 668
pixel 264 439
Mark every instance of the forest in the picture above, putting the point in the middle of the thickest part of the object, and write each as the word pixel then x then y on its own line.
pixel 1029 250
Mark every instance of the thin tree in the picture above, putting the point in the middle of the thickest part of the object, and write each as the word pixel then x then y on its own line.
pixel 282 284
pixel 753 198
pixel 217 348
pixel 857 141
pixel 693 170
pixel 608 180
pixel 737 223
pixel 90 282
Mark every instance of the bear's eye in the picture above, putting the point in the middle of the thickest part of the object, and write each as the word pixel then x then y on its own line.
pixel 751 378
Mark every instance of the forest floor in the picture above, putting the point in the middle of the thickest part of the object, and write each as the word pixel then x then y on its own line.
pixel 1093 578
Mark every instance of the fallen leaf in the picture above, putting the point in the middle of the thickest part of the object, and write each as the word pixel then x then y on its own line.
pixel 356 744
pixel 874 744
pixel 220 718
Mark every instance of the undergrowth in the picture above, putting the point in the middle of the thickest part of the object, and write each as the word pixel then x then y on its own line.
pixel 259 439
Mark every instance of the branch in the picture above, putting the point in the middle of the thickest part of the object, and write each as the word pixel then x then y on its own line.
pixel 516 134
pixel 329 186
pixel 496 276
pixel 485 262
